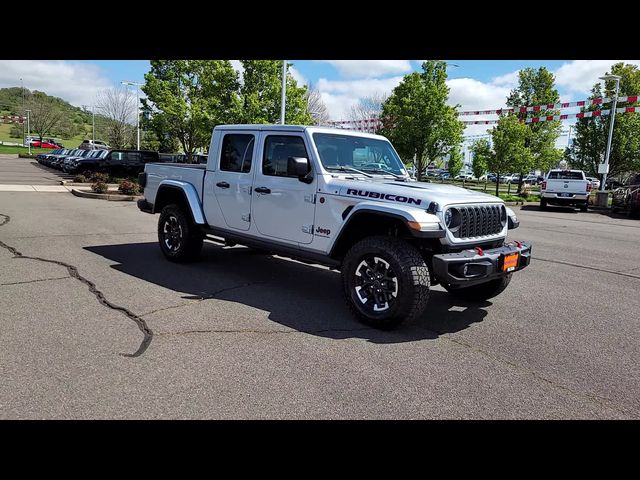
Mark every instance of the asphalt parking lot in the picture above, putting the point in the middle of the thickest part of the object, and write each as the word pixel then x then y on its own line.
pixel 94 323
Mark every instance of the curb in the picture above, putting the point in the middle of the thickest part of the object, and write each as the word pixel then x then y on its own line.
pixel 514 204
pixel 116 197
pixel 71 183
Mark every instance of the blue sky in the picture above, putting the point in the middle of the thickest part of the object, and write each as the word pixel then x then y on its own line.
pixel 474 84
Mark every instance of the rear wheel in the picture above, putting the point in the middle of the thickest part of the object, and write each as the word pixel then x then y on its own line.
pixel 483 291
pixel 584 207
pixel 543 204
pixel 179 239
pixel 385 281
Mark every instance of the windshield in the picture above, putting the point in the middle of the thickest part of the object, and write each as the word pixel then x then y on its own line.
pixel 366 154
pixel 565 175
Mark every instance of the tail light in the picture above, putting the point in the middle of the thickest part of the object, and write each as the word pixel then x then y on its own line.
pixel 544 185
pixel 589 187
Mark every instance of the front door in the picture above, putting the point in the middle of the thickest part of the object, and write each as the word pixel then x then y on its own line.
pixel 232 180
pixel 283 206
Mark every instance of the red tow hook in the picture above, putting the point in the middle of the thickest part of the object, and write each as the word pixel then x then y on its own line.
pixel 518 243
pixel 479 251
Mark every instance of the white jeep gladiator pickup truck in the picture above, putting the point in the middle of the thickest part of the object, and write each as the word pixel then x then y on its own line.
pixel 565 187
pixel 341 199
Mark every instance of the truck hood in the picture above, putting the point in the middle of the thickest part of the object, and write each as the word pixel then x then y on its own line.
pixel 411 193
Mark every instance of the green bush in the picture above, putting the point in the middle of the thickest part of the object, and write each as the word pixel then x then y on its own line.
pixel 100 177
pixel 99 187
pixel 80 179
pixel 127 187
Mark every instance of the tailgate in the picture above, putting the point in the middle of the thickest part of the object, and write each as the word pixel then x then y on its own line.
pixel 567 186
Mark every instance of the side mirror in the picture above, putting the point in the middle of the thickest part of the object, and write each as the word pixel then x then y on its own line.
pixel 299 167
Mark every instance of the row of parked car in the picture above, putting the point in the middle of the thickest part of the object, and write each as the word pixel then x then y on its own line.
pixel 116 161
pixel 79 161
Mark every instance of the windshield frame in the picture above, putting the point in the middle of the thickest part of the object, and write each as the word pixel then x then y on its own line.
pixel 328 170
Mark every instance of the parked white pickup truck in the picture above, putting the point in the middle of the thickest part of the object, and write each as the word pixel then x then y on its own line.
pixel 565 187
pixel 312 194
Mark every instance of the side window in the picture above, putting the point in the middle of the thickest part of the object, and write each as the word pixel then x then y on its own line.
pixel 117 156
pixel 277 151
pixel 133 157
pixel 149 157
pixel 237 151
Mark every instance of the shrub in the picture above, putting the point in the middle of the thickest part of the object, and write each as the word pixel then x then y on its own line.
pixel 127 187
pixel 80 179
pixel 99 187
pixel 100 177
pixel 525 191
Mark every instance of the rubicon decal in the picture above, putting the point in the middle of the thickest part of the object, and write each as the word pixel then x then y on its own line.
pixel 384 196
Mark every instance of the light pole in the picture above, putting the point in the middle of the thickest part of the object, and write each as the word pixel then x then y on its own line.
pixel 603 200
pixel 29 130
pixel 93 121
pixel 284 91
pixel 137 85
pixel 23 109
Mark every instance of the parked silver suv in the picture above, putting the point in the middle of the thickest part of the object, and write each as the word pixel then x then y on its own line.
pixel 93 145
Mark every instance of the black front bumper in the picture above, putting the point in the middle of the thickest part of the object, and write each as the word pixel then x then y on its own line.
pixel 145 206
pixel 474 266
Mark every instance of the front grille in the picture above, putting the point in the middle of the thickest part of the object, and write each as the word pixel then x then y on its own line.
pixel 479 221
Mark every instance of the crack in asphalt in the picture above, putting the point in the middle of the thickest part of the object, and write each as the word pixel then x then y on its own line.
pixel 630 275
pixel 268 332
pixel 204 297
pixel 73 272
pixel 34 281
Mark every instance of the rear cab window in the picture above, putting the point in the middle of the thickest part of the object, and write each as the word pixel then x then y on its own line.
pixel 565 175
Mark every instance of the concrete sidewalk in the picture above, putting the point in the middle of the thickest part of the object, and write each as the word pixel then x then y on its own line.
pixel 34 188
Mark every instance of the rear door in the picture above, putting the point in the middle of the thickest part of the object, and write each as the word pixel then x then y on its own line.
pixel 233 180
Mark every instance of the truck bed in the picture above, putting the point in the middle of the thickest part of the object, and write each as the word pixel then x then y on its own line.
pixel 192 173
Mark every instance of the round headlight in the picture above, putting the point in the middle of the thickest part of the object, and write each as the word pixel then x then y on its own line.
pixel 448 215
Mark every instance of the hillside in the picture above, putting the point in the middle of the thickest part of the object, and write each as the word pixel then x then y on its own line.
pixel 75 124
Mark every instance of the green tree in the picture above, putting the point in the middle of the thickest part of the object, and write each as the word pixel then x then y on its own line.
pixel 481 150
pixel 261 94
pixel 537 87
pixel 188 98
pixel 509 146
pixel 46 113
pixel 417 119
pixel 455 161
pixel 16 130
pixel 589 147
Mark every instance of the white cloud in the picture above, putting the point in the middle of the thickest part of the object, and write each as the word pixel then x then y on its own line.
pixel 75 82
pixel 340 95
pixel 238 67
pixel 581 75
pixel 370 68
pixel 297 76
pixel 509 80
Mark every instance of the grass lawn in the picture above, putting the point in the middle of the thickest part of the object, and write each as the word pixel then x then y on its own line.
pixel 25 150
pixel 5 137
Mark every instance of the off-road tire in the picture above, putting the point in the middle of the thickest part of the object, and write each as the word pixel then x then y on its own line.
pixel 543 204
pixel 584 207
pixel 483 291
pixel 186 242
pixel 411 275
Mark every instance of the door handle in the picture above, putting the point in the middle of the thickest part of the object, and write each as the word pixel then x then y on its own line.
pixel 262 190
pixel 222 185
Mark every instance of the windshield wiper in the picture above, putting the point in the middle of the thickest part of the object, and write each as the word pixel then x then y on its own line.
pixel 344 168
pixel 386 172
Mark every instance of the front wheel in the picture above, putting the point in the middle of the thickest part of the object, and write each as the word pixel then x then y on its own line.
pixel 385 281
pixel 179 239
pixel 483 291
pixel 543 204
pixel 584 207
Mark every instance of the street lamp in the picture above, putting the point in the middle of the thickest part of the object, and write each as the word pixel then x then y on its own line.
pixel 603 200
pixel 93 121
pixel 136 84
pixel 29 131
pixel 284 91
